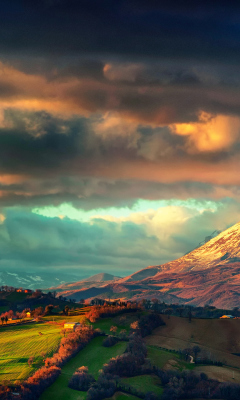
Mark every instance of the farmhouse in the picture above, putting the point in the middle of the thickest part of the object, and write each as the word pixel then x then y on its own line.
pixel 227 316
pixel 71 325
pixel 28 314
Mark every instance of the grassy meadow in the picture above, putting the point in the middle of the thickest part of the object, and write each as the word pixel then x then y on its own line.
pixel 144 383
pixel 94 356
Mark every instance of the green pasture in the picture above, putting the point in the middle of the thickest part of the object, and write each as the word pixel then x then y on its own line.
pixel 94 356
pixel 144 383
pixel 160 358
pixel 19 343
pixel 121 321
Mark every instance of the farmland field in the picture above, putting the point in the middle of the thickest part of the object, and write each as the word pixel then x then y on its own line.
pixel 19 343
pixel 121 321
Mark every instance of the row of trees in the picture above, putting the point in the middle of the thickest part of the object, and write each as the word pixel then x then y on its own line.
pixel 9 315
pixel 97 312
pixel 35 313
pixel 187 311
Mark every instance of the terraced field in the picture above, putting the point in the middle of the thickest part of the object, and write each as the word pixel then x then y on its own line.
pixel 21 342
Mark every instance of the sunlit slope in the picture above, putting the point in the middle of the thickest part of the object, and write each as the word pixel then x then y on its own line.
pixel 223 249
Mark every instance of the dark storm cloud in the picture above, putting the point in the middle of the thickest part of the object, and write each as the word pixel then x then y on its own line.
pixel 124 27
pixel 59 160
pixel 36 242
pixel 92 193
pixel 38 143
pixel 43 241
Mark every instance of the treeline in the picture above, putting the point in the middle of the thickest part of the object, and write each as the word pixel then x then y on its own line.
pixel 97 312
pixel 185 311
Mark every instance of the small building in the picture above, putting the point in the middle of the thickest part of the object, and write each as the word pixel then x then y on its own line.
pixel 71 325
pixel 19 290
pixel 28 314
pixel 227 316
pixel 27 291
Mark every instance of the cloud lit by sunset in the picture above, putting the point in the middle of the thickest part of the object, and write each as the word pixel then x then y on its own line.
pixel 116 130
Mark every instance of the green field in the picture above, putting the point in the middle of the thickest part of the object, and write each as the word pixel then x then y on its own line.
pixel 144 383
pixel 160 358
pixel 121 321
pixel 94 356
pixel 18 343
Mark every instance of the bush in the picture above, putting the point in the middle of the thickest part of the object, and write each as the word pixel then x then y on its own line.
pixel 81 379
pixel 148 322
pixel 105 387
pixel 130 363
pixel 110 341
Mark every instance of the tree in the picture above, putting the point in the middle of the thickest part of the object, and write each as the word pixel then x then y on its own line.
pixel 66 310
pixel 123 334
pixel 113 329
pixel 2 319
pixel 30 361
pixel 196 349
pixel 180 311
pixel 190 315
pixel 63 332
pixel 155 304
pixel 6 319
pixel 37 312
pixel 48 309
pixel 134 325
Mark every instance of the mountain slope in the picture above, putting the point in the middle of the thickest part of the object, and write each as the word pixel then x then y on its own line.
pixel 209 274
pixel 74 290
pixel 223 249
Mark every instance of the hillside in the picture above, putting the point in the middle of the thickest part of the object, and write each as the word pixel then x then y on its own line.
pixel 88 287
pixel 178 333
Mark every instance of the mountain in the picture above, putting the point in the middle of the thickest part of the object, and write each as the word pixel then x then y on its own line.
pixel 92 286
pixel 209 274
pixel 102 277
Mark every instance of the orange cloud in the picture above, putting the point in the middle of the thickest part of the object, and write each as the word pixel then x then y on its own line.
pixel 10 179
pixel 210 133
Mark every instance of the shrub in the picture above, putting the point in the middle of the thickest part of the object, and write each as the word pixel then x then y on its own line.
pixel 110 341
pixel 105 387
pixel 81 379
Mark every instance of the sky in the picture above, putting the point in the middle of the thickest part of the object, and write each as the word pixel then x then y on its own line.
pixel 119 131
